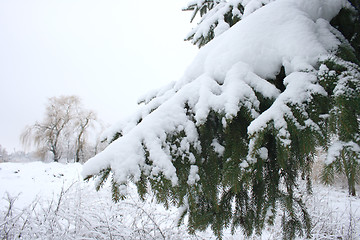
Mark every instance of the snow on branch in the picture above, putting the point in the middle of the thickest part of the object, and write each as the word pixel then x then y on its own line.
pixel 228 75
pixel 217 16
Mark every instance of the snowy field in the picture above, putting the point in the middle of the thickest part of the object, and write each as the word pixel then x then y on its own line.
pixel 50 201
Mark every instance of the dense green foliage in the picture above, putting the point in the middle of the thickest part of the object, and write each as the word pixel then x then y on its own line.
pixel 239 179
pixel 342 83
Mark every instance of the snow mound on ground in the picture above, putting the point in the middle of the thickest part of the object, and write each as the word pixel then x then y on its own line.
pixel 36 179
pixel 224 78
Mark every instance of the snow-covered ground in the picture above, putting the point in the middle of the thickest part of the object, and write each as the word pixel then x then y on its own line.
pixel 50 201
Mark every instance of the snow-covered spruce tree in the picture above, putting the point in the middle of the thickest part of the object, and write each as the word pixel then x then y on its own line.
pixel 343 119
pixel 228 142
pixel 217 16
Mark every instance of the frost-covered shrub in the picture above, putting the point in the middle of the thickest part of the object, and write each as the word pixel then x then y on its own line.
pixel 76 211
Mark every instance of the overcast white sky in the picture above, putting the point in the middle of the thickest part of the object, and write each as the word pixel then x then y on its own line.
pixel 108 52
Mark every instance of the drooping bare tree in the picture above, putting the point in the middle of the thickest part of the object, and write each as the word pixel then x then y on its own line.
pixel 63 129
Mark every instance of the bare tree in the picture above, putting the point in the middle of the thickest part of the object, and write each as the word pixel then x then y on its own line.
pixel 100 143
pixel 63 129
pixel 84 120
pixel 4 156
